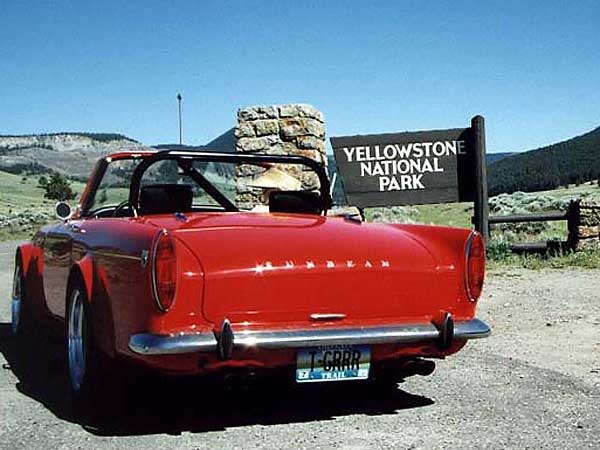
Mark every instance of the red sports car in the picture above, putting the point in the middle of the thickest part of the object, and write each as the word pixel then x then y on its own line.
pixel 160 266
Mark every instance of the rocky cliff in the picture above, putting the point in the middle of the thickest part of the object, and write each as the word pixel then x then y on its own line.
pixel 71 153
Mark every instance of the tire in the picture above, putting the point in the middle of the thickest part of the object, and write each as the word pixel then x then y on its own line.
pixel 21 321
pixel 86 366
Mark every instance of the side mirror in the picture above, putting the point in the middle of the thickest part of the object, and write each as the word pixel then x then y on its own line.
pixel 63 211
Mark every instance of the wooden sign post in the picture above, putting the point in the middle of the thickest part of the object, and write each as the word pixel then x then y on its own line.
pixel 411 168
pixel 481 209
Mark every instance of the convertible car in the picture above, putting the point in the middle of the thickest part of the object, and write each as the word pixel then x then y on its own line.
pixel 164 265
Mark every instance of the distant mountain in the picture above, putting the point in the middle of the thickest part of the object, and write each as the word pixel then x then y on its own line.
pixel 70 153
pixel 100 137
pixel 572 161
pixel 74 153
pixel 224 143
pixel 494 157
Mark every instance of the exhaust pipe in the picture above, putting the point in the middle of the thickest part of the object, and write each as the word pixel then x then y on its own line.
pixel 417 366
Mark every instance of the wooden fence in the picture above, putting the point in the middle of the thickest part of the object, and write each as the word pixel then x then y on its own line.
pixel 583 219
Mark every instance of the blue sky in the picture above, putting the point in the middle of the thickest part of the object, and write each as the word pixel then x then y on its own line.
pixel 531 68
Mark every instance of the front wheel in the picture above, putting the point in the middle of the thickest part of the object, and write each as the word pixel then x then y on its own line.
pixel 20 313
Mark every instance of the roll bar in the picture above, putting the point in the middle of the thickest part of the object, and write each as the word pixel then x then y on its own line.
pixel 233 158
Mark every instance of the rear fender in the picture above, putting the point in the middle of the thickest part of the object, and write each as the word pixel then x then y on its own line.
pixel 450 245
pixel 84 268
pixel 102 317
pixel 446 242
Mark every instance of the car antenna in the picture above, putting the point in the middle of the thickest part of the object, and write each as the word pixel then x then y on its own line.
pixel 180 126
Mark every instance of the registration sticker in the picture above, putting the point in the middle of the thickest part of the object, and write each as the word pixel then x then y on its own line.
pixel 333 363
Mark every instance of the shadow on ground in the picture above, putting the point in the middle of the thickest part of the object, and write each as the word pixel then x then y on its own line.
pixel 153 405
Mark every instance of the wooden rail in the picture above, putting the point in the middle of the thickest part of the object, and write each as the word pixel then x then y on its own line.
pixel 535 247
pixel 541 217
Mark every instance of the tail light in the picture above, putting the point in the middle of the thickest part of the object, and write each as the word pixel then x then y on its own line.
pixel 164 271
pixel 475 266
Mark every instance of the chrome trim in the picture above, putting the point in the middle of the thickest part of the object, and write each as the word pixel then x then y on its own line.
pixel 328 316
pixel 308 338
pixel 225 342
pixel 156 344
pixel 144 258
pixel 152 344
pixel 471 329
pixel 110 254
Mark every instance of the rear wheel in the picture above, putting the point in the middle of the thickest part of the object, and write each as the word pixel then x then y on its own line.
pixel 77 340
pixel 86 366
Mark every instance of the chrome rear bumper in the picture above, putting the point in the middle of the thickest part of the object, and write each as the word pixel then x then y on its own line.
pixel 154 344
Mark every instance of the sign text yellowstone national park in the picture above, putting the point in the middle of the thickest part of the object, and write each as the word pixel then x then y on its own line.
pixel 406 168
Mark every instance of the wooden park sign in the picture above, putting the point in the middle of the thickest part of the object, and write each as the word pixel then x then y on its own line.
pixel 440 166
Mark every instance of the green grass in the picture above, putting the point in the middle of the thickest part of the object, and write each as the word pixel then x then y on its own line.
pixel 19 234
pixel 20 192
pixel 20 195
pixel 586 259
pixel 17 195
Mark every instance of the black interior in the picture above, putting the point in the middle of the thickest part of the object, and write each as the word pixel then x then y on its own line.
pixel 165 199
pixel 295 202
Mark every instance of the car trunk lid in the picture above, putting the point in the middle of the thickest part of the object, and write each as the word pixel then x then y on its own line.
pixel 275 268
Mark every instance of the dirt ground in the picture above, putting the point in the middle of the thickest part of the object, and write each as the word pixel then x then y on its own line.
pixel 535 383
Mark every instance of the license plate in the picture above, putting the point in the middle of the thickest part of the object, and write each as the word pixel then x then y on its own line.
pixel 333 363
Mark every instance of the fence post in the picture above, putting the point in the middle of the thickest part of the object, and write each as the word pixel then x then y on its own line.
pixel 481 207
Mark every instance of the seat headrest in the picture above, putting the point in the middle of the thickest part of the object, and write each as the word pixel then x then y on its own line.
pixel 300 202
pixel 165 199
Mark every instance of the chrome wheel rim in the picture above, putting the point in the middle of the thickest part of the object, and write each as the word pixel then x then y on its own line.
pixel 16 300
pixel 76 345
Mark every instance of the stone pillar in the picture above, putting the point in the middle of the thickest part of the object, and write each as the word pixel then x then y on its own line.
pixel 291 129
pixel 584 224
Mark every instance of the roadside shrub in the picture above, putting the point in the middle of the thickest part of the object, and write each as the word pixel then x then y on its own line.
pixel 58 188
pixel 522 203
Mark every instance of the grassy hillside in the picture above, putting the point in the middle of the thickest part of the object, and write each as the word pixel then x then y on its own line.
pixel 23 207
pixel 573 161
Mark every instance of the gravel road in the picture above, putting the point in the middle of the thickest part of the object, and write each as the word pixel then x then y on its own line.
pixel 534 384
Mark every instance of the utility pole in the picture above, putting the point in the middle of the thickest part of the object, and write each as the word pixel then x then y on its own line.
pixel 180 126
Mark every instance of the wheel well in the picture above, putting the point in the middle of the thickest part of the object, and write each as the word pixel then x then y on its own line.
pixel 75 276
pixel 78 275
